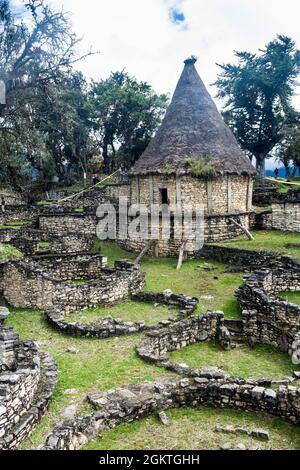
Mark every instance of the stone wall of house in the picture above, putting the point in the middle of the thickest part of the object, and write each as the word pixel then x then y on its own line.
pixel 216 228
pixel 195 329
pixel 269 319
pixel 31 241
pixel 246 258
pixel 224 195
pixel 17 213
pixel 73 267
pixel 25 284
pixel 19 388
pixel 27 381
pixel 286 216
pixel 72 222
pixel 134 402
pixel 261 220
pixel 106 327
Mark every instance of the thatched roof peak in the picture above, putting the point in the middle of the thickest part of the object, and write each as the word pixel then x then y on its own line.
pixel 193 129
pixel 191 60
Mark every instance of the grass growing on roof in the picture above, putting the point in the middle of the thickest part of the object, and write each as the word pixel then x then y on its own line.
pixel 8 252
pixel 193 429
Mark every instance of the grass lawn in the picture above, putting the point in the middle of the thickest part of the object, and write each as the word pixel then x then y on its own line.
pixel 260 362
pixel 268 240
pixel 127 311
pixel 193 429
pixel 193 279
pixel 98 365
pixel 293 297
pixel 8 252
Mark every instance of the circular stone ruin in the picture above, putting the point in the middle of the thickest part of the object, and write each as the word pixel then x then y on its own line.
pixel 134 402
pixel 108 326
pixel 267 318
pixel 27 381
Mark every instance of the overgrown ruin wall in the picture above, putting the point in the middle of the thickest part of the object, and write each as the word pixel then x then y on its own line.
pixel 27 381
pixel 76 223
pixel 32 241
pixel 223 195
pixel 25 284
pixel 134 402
pixel 286 216
pixel 268 319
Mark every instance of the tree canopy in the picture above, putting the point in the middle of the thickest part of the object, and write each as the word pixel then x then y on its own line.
pixel 124 114
pixel 257 93
pixel 54 122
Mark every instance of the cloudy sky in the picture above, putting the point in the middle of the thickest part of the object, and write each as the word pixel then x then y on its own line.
pixel 151 38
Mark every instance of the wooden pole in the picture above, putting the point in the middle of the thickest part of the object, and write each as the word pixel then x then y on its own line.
pixel 242 227
pixel 144 251
pixel 181 254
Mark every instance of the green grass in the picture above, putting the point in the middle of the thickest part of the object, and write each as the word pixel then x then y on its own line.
pixel 284 188
pixel 192 279
pixel 45 203
pixel 193 429
pixel 14 224
pixel 8 252
pixel 268 240
pixel 260 362
pixel 99 365
pixel 43 245
pixel 126 311
pixel 292 297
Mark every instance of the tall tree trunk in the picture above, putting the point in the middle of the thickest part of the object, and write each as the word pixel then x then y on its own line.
pixel 105 156
pixel 261 165
pixel 287 171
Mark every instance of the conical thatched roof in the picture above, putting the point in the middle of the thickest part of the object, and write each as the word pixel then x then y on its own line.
pixel 193 129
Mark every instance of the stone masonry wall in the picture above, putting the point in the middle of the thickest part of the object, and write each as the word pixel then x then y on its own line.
pixel 25 284
pixel 135 402
pixel 155 346
pixel 269 319
pixel 70 267
pixel 223 195
pixel 76 223
pixel 246 258
pixel 286 216
pixel 28 241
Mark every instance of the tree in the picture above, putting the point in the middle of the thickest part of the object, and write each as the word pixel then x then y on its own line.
pixel 36 53
pixel 257 93
pixel 124 114
pixel 62 117
pixel 289 150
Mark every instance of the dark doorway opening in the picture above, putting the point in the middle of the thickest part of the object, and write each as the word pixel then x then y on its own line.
pixel 164 196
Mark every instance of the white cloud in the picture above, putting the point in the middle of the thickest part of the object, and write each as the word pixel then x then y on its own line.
pixel 139 36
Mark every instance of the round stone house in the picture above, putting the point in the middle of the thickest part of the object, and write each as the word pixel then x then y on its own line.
pixel 194 159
